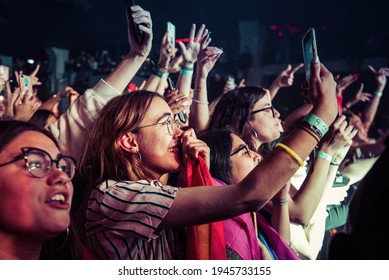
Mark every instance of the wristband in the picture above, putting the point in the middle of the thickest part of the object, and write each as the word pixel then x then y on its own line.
pixel 317 122
pixel 292 153
pixel 378 93
pixel 186 68
pixel 324 155
pixel 280 202
pixel 186 72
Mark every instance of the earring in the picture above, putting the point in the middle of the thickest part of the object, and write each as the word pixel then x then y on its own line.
pixel 255 134
pixel 63 243
pixel 140 156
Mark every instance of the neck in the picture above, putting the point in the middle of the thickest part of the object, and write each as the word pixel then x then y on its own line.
pixel 18 248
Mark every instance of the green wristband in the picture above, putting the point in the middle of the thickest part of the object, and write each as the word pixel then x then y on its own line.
pixel 324 155
pixel 378 93
pixel 317 122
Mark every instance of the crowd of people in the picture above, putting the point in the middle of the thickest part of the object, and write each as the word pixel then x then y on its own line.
pixel 157 172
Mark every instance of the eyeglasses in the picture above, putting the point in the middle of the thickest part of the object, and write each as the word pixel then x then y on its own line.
pixel 265 109
pixel 170 123
pixel 244 147
pixel 39 162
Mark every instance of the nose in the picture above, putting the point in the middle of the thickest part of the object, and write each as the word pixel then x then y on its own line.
pixel 177 132
pixel 276 113
pixel 57 177
pixel 256 157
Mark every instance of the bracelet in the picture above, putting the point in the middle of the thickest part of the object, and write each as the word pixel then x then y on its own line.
pixel 291 153
pixel 160 73
pixel 186 68
pixel 335 164
pixel 324 155
pixel 317 123
pixel 306 129
pixel 186 72
pixel 200 102
pixel 280 202
pixel 378 93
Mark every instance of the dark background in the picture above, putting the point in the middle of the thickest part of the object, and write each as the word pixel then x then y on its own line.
pixel 345 29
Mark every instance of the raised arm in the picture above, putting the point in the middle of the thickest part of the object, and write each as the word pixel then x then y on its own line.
pixel 198 205
pixel 199 112
pixel 370 110
pixel 69 129
pixel 284 79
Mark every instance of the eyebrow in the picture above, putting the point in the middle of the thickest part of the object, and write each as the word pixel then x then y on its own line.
pixel 241 147
pixel 167 114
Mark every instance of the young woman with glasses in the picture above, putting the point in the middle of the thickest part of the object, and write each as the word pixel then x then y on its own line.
pixel 36 194
pixel 128 213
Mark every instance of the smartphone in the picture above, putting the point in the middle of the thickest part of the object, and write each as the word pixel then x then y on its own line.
pixel 4 74
pixel 171 33
pixel 181 115
pixel 25 81
pixel 309 51
pixel 139 36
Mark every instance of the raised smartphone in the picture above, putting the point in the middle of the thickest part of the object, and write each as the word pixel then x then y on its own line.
pixel 181 115
pixel 25 81
pixel 138 33
pixel 171 33
pixel 309 51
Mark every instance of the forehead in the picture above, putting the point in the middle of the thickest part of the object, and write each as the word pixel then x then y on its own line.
pixel 264 101
pixel 32 139
pixel 158 107
pixel 236 141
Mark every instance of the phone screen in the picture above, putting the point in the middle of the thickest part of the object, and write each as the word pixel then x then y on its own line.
pixel 309 51
pixel 171 35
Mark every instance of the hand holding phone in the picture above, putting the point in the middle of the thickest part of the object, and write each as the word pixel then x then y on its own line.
pixel 181 115
pixel 309 51
pixel 139 36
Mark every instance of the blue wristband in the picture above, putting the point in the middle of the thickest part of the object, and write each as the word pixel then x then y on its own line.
pixel 317 122
pixel 324 155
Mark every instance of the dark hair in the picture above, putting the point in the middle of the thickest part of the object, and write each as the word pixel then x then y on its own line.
pixel 59 247
pixel 234 109
pixel 10 129
pixel 40 117
pixel 220 143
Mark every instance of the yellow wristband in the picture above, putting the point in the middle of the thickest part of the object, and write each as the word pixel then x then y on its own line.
pixel 291 153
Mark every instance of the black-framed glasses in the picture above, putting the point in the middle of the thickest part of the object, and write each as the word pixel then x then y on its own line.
pixel 241 148
pixel 170 123
pixel 270 108
pixel 39 162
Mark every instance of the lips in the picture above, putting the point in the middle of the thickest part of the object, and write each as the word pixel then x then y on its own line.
pixel 59 200
pixel 175 149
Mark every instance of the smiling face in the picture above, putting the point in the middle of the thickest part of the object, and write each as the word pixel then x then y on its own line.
pixel 267 127
pixel 160 151
pixel 33 207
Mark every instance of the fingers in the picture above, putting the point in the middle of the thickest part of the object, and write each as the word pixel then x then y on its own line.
pixel 200 32
pixel 371 68
pixel 164 38
pixel 192 32
pixel 298 67
pixel 36 70
pixel 361 88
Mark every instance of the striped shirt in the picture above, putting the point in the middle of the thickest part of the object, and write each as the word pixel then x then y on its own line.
pixel 122 218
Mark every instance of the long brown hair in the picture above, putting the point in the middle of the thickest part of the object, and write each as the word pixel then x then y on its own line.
pixel 101 157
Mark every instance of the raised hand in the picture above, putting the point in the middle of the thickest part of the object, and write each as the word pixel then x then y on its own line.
pixel 177 102
pixel 25 106
pixel 344 82
pixel 362 96
pixel 135 14
pixel 207 57
pixel 192 48
pixel 34 79
pixel 166 52
pixel 380 76
pixel 286 77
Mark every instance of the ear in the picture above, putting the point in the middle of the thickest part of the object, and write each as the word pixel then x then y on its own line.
pixel 128 143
